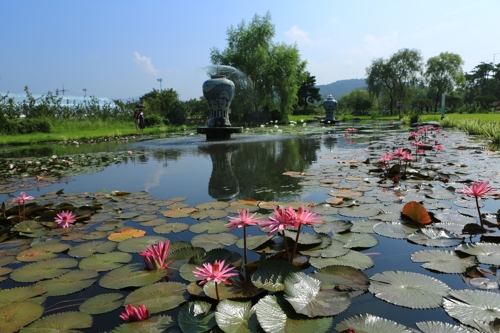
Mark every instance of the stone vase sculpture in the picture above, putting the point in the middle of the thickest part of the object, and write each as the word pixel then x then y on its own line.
pixel 219 93
pixel 330 105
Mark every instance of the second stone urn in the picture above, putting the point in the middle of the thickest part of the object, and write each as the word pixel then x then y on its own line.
pixel 330 105
pixel 219 93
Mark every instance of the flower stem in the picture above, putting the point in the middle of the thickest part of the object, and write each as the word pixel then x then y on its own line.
pixel 217 291
pixel 479 212
pixel 245 243
pixel 286 246
pixel 296 242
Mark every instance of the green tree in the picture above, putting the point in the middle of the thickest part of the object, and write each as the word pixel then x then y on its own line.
pixel 273 71
pixel 358 100
pixel 444 73
pixel 161 103
pixel 308 93
pixel 394 75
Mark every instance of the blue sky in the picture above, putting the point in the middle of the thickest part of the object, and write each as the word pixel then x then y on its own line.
pixel 119 48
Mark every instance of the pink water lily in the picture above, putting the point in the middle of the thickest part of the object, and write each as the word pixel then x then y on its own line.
pixel 282 219
pixel 155 256
pixel 478 190
pixel 65 218
pixel 217 272
pixel 132 314
pixel 303 217
pixel 385 158
pixel 22 198
pixel 242 221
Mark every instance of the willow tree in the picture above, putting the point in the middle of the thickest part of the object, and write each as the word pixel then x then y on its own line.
pixel 272 71
pixel 444 73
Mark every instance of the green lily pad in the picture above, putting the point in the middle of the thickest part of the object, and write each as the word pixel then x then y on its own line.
pixel 444 261
pixel 69 283
pixel 136 245
pixel 215 241
pixel 355 240
pixel 21 294
pixel 158 297
pixel 486 253
pixel 440 327
pixel 335 249
pixel 18 315
pixel 370 323
pixel 408 289
pixel 212 227
pixel 131 275
pixel 253 242
pixel 359 211
pixel 236 208
pixel 436 237
pixel 212 205
pixel 472 306
pixel 45 269
pixel 102 303
pixel 237 317
pixel 363 226
pixel 183 253
pixel 275 315
pixel 271 275
pixel 129 215
pixel 303 293
pixel 213 214
pixel 174 227
pixel 42 252
pixel 60 322
pixel 89 248
pixel 145 218
pixel 334 276
pixel 352 258
pixel 105 262
pixel 333 225
pixel 28 226
pixel 394 229
pixel 196 317
pixel 157 324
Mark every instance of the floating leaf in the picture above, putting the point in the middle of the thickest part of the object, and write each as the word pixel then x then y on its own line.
pixel 333 225
pixel 212 227
pixel 158 297
pixel 28 226
pixel 196 317
pixel 271 275
pixel 434 237
pixel 46 269
pixel 370 323
pixel 275 315
pixel 179 212
pixel 483 283
pixel 210 242
pixel 89 248
pixel 237 317
pixel 231 258
pixel 353 259
pixel 132 275
pixel 333 276
pixel 105 261
pixel 335 249
pixel 126 234
pixel 183 253
pixel 394 229
pixel 469 306
pixel 486 253
pixel 440 327
pixel 253 241
pixel 209 213
pixel 18 315
pixel 416 212
pixel 157 324
pixel 303 293
pixel 20 294
pixel 412 290
pixel 136 245
pixel 444 261
pixel 167 228
pixel 60 322
pixel 69 283
pixel 355 240
pixel 42 252
pixel 102 303
pixel 359 211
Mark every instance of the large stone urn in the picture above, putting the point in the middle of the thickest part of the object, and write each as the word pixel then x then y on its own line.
pixel 330 105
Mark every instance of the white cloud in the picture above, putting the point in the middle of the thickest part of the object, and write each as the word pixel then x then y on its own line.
pixel 145 63
pixel 375 44
pixel 301 37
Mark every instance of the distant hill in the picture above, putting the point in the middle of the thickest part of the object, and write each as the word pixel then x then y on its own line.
pixel 341 87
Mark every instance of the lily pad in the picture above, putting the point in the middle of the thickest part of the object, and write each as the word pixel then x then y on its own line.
pixel 136 245
pixel 440 327
pixel 18 315
pixel 434 237
pixel 102 303
pixel 370 323
pixel 215 241
pixel 333 225
pixel 353 259
pixel 42 252
pixel 471 306
pixel 167 228
pixel 105 261
pixel 156 324
pixel 444 261
pixel 359 211
pixel 212 227
pixel 69 283
pixel 355 240
pixel 131 275
pixel 196 317
pixel 408 289
pixel 126 234
pixel 253 241
pixel 394 229
pixel 158 297
pixel 179 212
pixel 486 253
pixel 271 275
pixel 238 317
pixel 89 248
pixel 333 276
pixel 209 213
pixel 46 269
pixel 21 294
pixel 60 322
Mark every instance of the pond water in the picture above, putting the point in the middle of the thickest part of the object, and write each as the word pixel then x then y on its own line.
pixel 285 167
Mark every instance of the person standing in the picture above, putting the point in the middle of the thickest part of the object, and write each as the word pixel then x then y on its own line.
pixel 139 118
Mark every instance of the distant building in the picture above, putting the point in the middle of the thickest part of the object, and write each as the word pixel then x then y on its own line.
pixel 66 100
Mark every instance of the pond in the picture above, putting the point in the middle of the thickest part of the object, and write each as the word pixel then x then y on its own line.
pixel 182 188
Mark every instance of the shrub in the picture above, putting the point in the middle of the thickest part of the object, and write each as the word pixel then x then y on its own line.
pixel 25 126
pixel 153 120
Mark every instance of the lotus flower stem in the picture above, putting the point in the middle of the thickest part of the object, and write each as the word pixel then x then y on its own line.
pixel 217 291
pixel 479 212
pixel 245 243
pixel 296 243
pixel 286 246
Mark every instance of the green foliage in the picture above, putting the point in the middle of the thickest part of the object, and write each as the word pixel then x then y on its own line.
pixel 308 93
pixel 153 120
pixel 272 71
pixel 358 100
pixel 24 126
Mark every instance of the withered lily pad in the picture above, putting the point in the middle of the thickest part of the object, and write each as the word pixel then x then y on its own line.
pixel 105 261
pixel 444 261
pixel 46 269
pixel 126 234
pixel 158 297
pixel 59 322
pixel 132 275
pixel 486 253
pixel 102 303
pixel 408 289
pixel 69 283
pixel 434 237
pixel 42 252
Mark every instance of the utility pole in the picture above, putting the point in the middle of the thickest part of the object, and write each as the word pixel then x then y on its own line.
pixel 159 80
pixel 85 92
pixel 64 90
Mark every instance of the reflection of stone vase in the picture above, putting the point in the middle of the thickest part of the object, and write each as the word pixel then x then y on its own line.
pixel 223 185
pixel 219 93
pixel 330 105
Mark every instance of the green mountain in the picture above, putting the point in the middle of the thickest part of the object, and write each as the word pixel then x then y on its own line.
pixel 341 87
